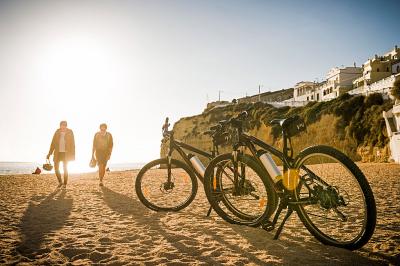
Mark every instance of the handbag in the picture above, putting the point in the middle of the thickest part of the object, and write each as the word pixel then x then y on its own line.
pixel 92 163
pixel 48 166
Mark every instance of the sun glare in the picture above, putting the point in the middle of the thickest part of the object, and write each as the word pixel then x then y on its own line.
pixel 77 167
pixel 80 167
pixel 76 65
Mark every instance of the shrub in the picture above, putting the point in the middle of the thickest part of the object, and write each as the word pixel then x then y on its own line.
pixel 396 90
pixel 373 99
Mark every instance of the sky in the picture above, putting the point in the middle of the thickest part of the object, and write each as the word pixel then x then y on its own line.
pixel 132 63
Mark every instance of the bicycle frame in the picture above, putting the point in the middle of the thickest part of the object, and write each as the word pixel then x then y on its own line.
pixel 250 142
pixel 179 147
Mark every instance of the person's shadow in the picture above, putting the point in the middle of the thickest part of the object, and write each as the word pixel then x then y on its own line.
pixel 40 220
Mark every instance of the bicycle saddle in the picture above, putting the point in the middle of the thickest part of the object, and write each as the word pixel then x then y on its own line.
pixel 291 125
pixel 280 122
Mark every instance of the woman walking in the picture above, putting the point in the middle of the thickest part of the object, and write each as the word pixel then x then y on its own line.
pixel 63 147
pixel 102 148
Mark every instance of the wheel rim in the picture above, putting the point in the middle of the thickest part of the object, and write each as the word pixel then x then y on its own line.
pixel 164 195
pixel 329 216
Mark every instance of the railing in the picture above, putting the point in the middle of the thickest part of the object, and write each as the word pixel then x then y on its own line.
pixel 380 86
pixel 288 103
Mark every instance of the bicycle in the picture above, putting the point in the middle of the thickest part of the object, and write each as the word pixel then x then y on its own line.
pixel 168 184
pixel 326 204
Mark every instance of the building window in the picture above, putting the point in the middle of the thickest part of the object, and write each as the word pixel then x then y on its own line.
pixel 377 70
pixel 312 97
pixel 317 96
pixel 397 69
pixel 307 98
pixel 387 69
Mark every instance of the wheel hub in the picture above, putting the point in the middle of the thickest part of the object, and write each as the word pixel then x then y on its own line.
pixel 167 186
pixel 329 197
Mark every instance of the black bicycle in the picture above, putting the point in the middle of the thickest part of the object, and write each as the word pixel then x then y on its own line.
pixel 328 191
pixel 169 184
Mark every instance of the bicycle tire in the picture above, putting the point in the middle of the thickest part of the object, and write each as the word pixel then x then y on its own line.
pixel 238 216
pixel 369 202
pixel 163 161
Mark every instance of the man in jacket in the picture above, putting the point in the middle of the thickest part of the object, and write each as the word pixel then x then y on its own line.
pixel 63 147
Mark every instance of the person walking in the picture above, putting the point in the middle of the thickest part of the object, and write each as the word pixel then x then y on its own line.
pixel 63 147
pixel 102 149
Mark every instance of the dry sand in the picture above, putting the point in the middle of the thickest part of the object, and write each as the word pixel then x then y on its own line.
pixel 87 224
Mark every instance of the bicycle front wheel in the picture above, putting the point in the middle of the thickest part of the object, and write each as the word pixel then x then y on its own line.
pixel 337 205
pixel 245 199
pixel 158 193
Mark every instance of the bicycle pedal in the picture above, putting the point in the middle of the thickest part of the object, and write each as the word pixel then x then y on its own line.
pixel 268 226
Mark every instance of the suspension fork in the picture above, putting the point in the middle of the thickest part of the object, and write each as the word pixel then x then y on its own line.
pixel 235 172
pixel 169 159
pixel 242 171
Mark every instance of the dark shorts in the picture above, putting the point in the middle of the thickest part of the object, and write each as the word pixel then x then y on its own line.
pixel 102 157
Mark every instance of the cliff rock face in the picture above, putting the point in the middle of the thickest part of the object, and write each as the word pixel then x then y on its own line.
pixel 358 132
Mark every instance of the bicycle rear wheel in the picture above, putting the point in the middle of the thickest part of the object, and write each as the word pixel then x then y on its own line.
pixel 248 202
pixel 338 205
pixel 156 193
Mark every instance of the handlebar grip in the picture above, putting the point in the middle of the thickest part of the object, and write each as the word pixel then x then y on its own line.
pixel 243 114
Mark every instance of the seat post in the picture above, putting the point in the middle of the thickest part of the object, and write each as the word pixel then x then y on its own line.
pixel 285 148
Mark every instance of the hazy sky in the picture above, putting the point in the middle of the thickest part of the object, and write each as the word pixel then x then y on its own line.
pixel 131 63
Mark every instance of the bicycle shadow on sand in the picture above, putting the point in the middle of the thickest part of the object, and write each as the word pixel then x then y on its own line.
pixel 292 247
pixel 186 230
pixel 41 220
pixel 261 249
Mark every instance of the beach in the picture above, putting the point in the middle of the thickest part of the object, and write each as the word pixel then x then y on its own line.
pixel 87 224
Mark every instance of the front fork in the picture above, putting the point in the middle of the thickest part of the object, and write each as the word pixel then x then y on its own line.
pixel 238 181
pixel 235 172
pixel 169 158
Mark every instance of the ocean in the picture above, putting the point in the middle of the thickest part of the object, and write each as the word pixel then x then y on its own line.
pixel 12 168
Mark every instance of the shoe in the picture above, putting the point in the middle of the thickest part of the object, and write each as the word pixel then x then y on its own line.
pixel 101 184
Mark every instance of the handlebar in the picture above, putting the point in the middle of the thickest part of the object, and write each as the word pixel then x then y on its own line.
pixel 239 119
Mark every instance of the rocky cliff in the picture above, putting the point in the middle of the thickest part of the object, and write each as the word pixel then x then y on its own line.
pixel 352 124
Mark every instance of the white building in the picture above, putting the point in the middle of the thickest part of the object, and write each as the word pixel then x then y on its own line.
pixel 379 74
pixel 338 81
pixel 304 91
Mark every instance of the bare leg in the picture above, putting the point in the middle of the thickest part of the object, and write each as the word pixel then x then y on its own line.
pixel 65 165
pixel 102 172
pixel 57 170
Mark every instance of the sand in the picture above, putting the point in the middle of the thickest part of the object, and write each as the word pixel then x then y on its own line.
pixel 87 224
